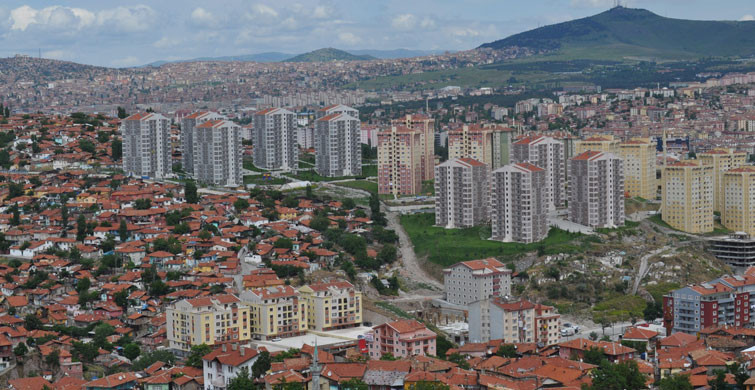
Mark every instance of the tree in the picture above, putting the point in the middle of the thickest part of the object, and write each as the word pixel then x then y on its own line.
pixel 241 204
pixel 83 285
pixel 242 381
pixel 459 359
pixel 507 351
pixel 32 322
pixel 309 191
pixel 348 203
pixel 388 357
pixel 593 336
pixel 675 382
pixel 353 384
pixel 427 385
pixel 204 235
pixel 87 146
pixel 20 349
pixel 131 351
pixel 319 223
pixel 123 231
pixel 16 215
pixel 387 254
pixel 64 215
pixel 117 149
pixel 147 359
pixel 594 355
pixel 158 288
pixel 719 382
pixel 121 298
pixel 262 365
pixel 143 204
pixel 122 113
pixel 740 373
pixel 190 192
pixel 621 376
pixel 53 359
pixel 81 228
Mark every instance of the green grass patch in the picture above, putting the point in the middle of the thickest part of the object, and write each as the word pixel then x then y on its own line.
pixel 364 185
pixel 257 179
pixel 249 165
pixel 393 309
pixel 658 220
pixel 628 225
pixel 619 308
pixel 661 289
pixel 369 170
pixel 450 246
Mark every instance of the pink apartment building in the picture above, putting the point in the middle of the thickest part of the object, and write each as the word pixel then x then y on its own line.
pixel 402 339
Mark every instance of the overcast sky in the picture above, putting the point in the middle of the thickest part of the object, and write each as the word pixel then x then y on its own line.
pixel 127 33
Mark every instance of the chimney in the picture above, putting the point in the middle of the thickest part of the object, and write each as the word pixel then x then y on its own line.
pixel 223 348
pixel 242 351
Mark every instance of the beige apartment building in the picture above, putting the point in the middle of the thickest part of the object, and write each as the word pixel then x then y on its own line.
pixel 548 154
pixel 146 145
pixel 400 159
pixel 518 211
pixel 738 213
pixel 276 311
pixel 207 320
pixel 687 196
pixel 461 193
pixel 490 145
pixel 332 305
pixel 274 139
pixel 597 143
pixel 338 151
pixel 217 153
pixel 721 160
pixel 188 123
pixel 596 189
pixel 639 157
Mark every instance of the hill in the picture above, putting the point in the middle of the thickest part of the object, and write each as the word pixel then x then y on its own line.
pixel 272 56
pixel 329 54
pixel 627 32
pixel 39 70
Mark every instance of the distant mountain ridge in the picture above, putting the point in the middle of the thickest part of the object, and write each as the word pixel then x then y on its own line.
pixel 280 57
pixel 329 54
pixel 637 32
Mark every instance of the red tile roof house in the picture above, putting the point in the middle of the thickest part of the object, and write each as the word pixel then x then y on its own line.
pixel 614 352
pixel 224 363
pixel 402 338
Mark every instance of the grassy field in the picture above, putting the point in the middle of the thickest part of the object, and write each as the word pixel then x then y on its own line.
pixel 248 164
pixel 449 246
pixel 628 226
pixel 365 185
pixel 257 179
pixel 369 170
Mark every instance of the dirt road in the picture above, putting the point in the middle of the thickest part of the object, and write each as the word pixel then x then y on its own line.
pixel 411 269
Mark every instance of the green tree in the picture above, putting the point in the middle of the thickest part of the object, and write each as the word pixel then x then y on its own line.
pixel 594 355
pixel 16 215
pixel 740 373
pixel 621 376
pixel 427 385
pixel 116 149
pixel 83 285
pixel 348 204
pixel 204 235
pixel 241 204
pixel 309 191
pixel 64 215
pixel 387 254
pixel 122 113
pixel 719 381
pixel 507 351
pixel 388 357
pixel 81 228
pixel 353 384
pixel 121 299
pixel 262 365
pixel 32 322
pixel 320 223
pixel 190 192
pixel 158 288
pixel 87 146
pixel 20 349
pixel 147 359
pixel 142 204
pixel 675 382
pixel 459 359
pixel 242 381
pixel 131 351
pixel 123 231
pixel 53 359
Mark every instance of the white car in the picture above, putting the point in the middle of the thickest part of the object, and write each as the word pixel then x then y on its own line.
pixel 276 339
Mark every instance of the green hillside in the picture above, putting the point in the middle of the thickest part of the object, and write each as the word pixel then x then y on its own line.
pixel 625 33
pixel 329 54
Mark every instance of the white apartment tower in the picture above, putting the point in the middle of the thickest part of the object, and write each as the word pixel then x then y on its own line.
pixel 188 123
pixel 217 153
pixel 274 139
pixel 338 151
pixel 596 189
pixel 337 109
pixel 146 145
pixel 461 193
pixel 546 153
pixel 517 205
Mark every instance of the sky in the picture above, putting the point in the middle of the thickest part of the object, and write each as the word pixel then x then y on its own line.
pixel 130 33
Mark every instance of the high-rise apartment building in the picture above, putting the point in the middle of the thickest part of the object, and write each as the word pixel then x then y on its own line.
pixel 274 140
pixel 426 127
pixel 597 143
pixel 546 153
pixel 596 189
pixel 400 161
pixel 461 193
pixel 217 153
pixel 687 196
pixel 738 213
pixel 146 145
pixel 490 145
pixel 338 151
pixel 188 123
pixel 639 156
pixel 207 320
pixel 721 160
pixel 332 305
pixel 517 205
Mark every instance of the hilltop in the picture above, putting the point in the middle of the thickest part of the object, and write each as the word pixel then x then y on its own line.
pixel 627 32
pixel 329 54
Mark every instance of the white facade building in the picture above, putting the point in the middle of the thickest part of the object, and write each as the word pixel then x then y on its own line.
pixel 146 145
pixel 274 140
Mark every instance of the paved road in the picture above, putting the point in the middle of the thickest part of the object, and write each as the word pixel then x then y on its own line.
pixel 644 267
pixel 411 269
